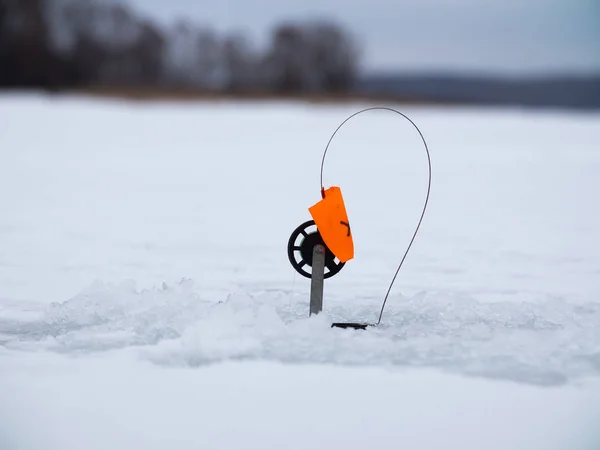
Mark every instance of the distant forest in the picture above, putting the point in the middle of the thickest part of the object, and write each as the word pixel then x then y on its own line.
pixel 102 44
pixel 55 44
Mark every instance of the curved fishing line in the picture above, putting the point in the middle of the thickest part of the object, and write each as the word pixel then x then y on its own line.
pixel 426 198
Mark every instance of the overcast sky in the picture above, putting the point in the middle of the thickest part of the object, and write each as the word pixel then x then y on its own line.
pixel 510 36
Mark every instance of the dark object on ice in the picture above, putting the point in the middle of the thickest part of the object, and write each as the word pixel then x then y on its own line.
pixel 356 326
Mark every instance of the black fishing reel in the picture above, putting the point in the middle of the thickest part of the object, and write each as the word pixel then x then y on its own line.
pixel 300 251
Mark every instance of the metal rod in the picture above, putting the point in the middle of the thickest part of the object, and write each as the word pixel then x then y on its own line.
pixel 317 279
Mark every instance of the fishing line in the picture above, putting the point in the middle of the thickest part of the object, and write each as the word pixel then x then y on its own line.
pixel 426 198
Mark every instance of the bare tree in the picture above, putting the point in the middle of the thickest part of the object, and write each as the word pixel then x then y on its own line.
pixel 149 51
pixel 316 56
pixel 209 54
pixel 26 56
pixel 113 46
pixel 239 64
pixel 334 57
pixel 287 60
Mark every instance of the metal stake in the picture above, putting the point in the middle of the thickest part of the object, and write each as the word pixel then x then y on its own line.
pixel 317 279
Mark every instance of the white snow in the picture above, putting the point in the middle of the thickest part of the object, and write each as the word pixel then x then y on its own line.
pixel 146 300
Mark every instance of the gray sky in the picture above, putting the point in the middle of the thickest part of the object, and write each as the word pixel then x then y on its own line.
pixel 508 36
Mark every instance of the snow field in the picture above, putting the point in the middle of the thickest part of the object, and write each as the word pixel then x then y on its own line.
pixel 146 299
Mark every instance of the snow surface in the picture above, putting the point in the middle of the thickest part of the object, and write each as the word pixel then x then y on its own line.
pixel 146 300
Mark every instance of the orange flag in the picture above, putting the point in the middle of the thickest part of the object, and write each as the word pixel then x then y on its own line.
pixel 332 222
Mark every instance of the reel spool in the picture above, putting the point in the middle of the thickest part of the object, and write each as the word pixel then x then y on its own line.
pixel 300 252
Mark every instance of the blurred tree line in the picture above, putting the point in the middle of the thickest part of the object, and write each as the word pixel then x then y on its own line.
pixel 56 44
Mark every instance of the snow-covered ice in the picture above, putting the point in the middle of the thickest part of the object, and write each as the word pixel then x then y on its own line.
pixel 146 300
